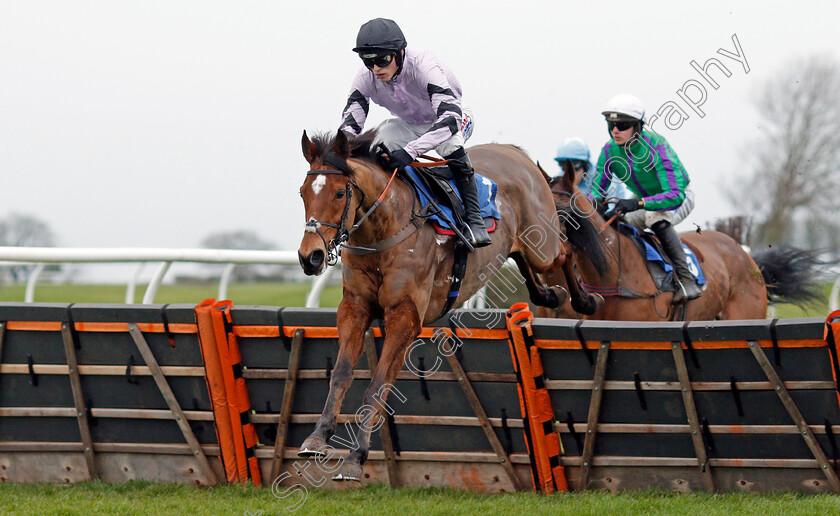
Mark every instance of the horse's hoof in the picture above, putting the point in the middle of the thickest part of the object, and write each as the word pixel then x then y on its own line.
pixel 560 293
pixel 349 471
pixel 599 302
pixel 594 302
pixel 313 447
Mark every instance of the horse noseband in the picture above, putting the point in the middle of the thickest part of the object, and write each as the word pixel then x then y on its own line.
pixel 312 226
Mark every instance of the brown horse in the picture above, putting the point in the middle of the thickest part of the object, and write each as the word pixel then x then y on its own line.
pixel 735 288
pixel 397 268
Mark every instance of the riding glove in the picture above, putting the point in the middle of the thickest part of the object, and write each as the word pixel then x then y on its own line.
pixel 628 205
pixel 624 206
pixel 400 159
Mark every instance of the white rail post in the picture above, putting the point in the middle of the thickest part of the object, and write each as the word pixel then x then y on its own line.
pixel 151 290
pixel 224 280
pixel 478 301
pixel 833 301
pixel 313 300
pixel 30 283
pixel 132 284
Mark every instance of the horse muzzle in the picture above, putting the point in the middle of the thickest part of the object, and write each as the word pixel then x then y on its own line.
pixel 313 263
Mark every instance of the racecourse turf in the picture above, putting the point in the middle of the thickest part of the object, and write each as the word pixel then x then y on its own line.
pixel 142 498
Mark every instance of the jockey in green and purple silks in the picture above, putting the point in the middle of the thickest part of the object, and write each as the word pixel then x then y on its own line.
pixel 648 166
pixel 650 169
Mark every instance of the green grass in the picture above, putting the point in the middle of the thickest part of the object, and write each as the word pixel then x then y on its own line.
pixel 141 498
pixel 267 293
pixel 819 309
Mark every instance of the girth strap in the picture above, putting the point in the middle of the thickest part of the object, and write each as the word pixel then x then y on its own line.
pixel 459 269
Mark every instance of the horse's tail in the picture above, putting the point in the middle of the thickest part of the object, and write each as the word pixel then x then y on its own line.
pixel 791 274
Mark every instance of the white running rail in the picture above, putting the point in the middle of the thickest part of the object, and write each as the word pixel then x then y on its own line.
pixel 40 256
pixel 834 298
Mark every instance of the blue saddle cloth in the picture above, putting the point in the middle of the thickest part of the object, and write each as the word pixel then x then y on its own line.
pixel 653 255
pixel 486 199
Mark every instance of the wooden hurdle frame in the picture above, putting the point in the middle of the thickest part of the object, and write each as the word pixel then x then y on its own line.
pixel 816 473
pixel 74 376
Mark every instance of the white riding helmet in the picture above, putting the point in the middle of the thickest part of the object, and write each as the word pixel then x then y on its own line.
pixel 623 107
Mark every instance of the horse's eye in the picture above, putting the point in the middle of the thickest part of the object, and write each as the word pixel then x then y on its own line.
pixel 339 194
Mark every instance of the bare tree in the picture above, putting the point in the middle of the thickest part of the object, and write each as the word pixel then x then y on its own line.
pixel 239 239
pixel 20 230
pixel 794 174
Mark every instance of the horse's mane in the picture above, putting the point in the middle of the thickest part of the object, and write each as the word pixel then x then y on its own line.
pixel 584 234
pixel 360 147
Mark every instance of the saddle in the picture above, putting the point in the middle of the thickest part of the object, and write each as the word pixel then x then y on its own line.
pixel 658 263
pixel 439 202
pixel 436 191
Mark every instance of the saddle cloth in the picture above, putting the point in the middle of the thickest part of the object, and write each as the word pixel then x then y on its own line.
pixel 445 193
pixel 658 264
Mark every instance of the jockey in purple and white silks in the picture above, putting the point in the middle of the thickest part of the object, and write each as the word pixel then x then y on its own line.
pixel 425 98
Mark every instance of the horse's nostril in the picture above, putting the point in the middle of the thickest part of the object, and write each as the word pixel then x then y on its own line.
pixel 316 258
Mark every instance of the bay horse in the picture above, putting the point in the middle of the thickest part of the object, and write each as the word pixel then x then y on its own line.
pixel 736 285
pixel 396 268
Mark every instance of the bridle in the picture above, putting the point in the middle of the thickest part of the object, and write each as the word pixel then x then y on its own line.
pixel 562 192
pixel 314 226
pixel 553 182
pixel 334 245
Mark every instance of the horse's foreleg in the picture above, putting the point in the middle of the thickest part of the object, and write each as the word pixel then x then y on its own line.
pixel 540 294
pixel 353 320
pixel 582 302
pixel 402 325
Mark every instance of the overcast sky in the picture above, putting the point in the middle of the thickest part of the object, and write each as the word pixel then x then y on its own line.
pixel 154 123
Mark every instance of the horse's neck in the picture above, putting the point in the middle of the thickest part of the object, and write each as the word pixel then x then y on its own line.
pixel 392 213
pixel 616 246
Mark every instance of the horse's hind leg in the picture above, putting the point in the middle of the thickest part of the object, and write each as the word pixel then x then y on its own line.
pixel 539 293
pixel 747 300
pixel 353 320
pixel 402 325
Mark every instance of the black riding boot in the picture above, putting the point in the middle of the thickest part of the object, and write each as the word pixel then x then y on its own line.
pixel 459 164
pixel 671 243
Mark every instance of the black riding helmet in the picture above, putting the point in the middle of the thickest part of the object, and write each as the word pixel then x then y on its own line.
pixel 381 36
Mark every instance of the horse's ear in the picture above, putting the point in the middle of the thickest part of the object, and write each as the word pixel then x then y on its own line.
pixel 310 150
pixel 544 173
pixel 342 145
pixel 568 176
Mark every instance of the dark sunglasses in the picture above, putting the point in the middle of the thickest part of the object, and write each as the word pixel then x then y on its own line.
pixel 621 126
pixel 380 61
pixel 577 165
